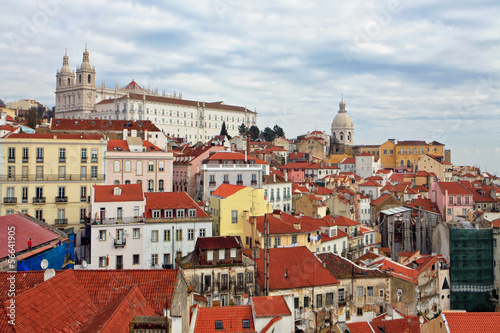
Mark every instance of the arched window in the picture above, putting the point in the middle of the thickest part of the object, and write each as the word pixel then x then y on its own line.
pixel 117 182
pixel 116 166
pixel 79 78
pixel 161 166
pixel 160 185
pixel 127 166
pixel 127 182
pixel 151 166
pixel 59 82
pixel 341 136
pixel 139 168
pixel 349 136
pixel 333 135
pixel 408 164
pixel 402 163
pixel 69 81
pixel 151 185
pixel 89 78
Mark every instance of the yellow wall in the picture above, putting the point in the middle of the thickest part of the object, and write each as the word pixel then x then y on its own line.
pixel 248 200
pixel 51 181
pixel 286 240
pixel 386 159
pixel 337 158
pixel 414 154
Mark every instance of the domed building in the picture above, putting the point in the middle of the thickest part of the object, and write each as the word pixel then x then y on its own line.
pixel 342 131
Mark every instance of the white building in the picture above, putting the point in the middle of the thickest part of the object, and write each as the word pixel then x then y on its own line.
pixel 230 168
pixel 77 96
pixel 364 209
pixel 277 191
pixel 366 165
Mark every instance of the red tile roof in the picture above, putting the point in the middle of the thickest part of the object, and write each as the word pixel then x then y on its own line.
pixel 103 286
pixel 101 125
pixel 220 242
pixel 227 190
pixel 171 200
pixel 397 325
pixel 425 204
pixel 285 224
pixel 106 193
pixel 293 267
pixel 453 188
pixel 234 156
pixel 270 324
pixel 270 306
pixel 360 327
pixel 348 160
pixel 231 316
pixel 379 200
pixel 472 321
pixel 370 183
pixel 24 230
pixel 342 220
pixel 411 143
pixel 56 136
pixel 60 304
pixel 342 268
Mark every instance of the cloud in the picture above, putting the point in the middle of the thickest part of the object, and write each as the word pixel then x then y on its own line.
pixel 408 70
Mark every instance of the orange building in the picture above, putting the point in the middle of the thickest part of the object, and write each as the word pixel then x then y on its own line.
pixel 407 153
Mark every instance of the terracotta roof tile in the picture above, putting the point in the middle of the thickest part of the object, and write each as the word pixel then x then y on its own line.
pixel 220 242
pixel 234 156
pixel 360 327
pixel 101 125
pixel 472 321
pixel 342 268
pixel 453 188
pixel 227 190
pixel 231 316
pixel 129 192
pixel 267 306
pixel 171 200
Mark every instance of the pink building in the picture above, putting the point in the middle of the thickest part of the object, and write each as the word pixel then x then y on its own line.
pixel 187 163
pixel 135 160
pixel 452 198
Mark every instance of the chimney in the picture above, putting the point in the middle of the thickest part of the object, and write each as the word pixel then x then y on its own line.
pixel 125 134
pixel 248 144
pixel 274 177
pixel 178 257
pixel 286 176
pixel 133 133
pixel 296 225
pixel 146 134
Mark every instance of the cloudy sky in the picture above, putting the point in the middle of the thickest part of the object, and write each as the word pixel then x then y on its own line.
pixel 422 70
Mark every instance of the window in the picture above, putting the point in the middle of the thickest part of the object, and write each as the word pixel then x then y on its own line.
pixel 414 150
pixel 161 184
pixel 450 200
pixel 12 154
pixel 156 213
pixel 294 239
pixel 232 253
pixel 459 200
pixel 402 151
pixel 369 291
pixel 341 295
pixel 39 155
pixel 154 235
pixel 166 235
pixel 166 258
pixel 306 301
pixel 360 311
pixel 400 294
pixel 62 171
pixel 151 166
pixel 161 166
pixel 192 212
pixel 178 235
pixel 24 191
pixel 347 314
pixel 466 200
pixel 222 254
pixel 319 300
pixel 179 213
pixel 39 214
pixel 190 234
pixel 234 216
pixel 84 155
pixel 421 151
pixel 11 172
pixel 329 299
pixel 408 151
pixel 448 211
pixel 381 293
pixel 135 259
pixel 154 260
pixel 385 151
pixel 210 255
pixel 93 172
pixel 202 232
pixel 359 291
pixel 151 185
pixel 277 241
pixel 25 172
pixel 102 235
pixel 138 169
pixel 168 213
pixel 136 232
pixel 102 261
pixel 93 155
pixel 62 155
pixel 116 166
pixel 224 280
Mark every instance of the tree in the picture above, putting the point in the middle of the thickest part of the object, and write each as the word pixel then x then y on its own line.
pixel 223 130
pixel 254 132
pixel 32 117
pixel 278 131
pixel 243 129
pixel 268 134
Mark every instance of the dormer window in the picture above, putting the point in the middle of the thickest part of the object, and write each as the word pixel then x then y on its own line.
pixel 168 213
pixel 156 213
pixel 222 254
pixel 180 213
pixel 192 212
pixel 117 191
pixel 210 255
pixel 233 253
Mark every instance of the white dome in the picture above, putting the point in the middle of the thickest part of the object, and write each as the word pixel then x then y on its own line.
pixel 342 121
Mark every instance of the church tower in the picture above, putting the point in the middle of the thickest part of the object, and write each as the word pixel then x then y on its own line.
pixel 65 82
pixel 342 131
pixel 85 86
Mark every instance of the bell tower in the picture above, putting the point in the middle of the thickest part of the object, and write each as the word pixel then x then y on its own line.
pixel 85 87
pixel 65 83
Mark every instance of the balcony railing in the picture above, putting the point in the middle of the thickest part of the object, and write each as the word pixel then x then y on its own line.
pixel 62 159
pixel 253 182
pixel 84 159
pixel 39 200
pixel 212 183
pixel 123 220
pixel 61 221
pixel 120 242
pixel 61 199
pixel 39 160
pixel 239 182
pixel 93 160
pixel 225 182
pixel 52 177
pixel 12 159
pixel 9 200
pixel 25 159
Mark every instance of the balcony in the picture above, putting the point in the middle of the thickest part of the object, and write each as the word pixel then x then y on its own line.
pixel 85 199
pixel 120 242
pixel 25 159
pixel 225 182
pixel 39 159
pixel 93 160
pixel 9 200
pixel 212 183
pixel 239 182
pixel 253 182
pixel 61 222
pixel 61 199
pixel 12 160
pixel 62 159
pixel 84 159
pixel 52 177
pixel 38 200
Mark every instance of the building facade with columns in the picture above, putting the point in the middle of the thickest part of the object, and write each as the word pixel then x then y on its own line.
pixel 77 96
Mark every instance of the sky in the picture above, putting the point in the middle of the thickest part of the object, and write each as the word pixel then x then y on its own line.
pixel 408 70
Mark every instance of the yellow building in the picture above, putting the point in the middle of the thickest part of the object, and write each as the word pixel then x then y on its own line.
pixel 407 153
pixel 232 205
pixel 49 176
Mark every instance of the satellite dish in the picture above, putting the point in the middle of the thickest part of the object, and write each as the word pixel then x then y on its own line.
pixel 44 264
pixel 421 320
pixel 84 263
